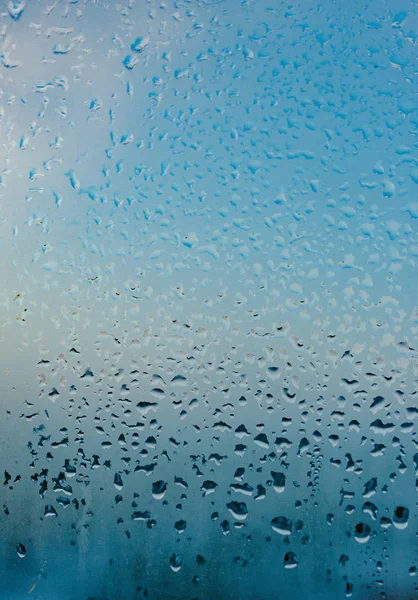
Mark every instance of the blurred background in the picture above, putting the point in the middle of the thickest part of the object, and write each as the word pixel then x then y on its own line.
pixel 208 309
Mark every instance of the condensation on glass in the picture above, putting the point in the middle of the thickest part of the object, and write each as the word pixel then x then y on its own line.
pixel 208 308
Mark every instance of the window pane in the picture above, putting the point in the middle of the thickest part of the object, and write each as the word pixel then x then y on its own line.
pixel 208 310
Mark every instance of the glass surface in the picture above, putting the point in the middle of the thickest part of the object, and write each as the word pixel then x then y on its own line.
pixel 209 300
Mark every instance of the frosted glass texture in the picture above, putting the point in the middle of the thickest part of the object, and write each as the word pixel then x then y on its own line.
pixel 209 300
